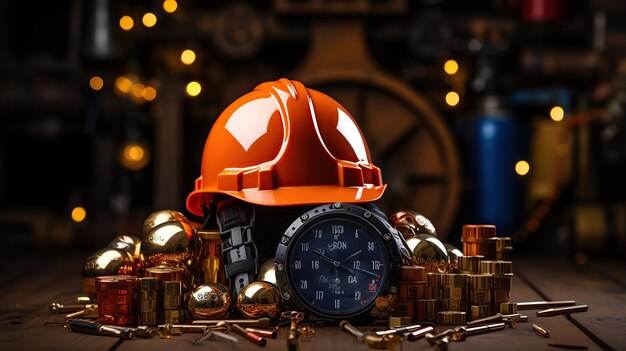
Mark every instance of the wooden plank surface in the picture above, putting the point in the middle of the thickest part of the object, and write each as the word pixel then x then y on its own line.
pixel 26 324
pixel 25 321
pixel 605 321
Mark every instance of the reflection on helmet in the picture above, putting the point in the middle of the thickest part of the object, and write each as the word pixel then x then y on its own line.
pixel 283 144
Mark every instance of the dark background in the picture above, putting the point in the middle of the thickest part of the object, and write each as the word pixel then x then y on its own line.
pixel 62 141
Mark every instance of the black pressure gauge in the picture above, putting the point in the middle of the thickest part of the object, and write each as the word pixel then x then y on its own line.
pixel 336 259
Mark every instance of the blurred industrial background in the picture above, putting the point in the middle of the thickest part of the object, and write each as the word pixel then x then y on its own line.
pixel 510 112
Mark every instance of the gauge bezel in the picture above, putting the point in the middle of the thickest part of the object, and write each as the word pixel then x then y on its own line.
pixel 388 236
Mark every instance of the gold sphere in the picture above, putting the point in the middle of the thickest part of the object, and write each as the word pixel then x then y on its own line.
pixel 159 217
pixel 267 272
pixel 172 244
pixel 429 252
pixel 453 254
pixel 128 243
pixel 411 223
pixel 108 261
pixel 260 299
pixel 209 301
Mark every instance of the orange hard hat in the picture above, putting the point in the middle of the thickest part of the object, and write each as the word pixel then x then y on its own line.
pixel 283 144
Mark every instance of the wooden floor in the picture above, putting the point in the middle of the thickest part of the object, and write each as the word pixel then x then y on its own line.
pixel 27 288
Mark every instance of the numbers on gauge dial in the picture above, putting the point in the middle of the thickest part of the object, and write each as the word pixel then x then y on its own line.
pixel 337 266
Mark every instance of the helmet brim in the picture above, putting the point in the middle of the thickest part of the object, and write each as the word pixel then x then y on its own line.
pixel 291 196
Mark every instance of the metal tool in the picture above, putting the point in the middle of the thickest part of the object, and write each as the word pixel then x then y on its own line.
pixel 56 307
pixel 145 332
pixel 420 333
pixel 183 328
pixel 520 317
pixel 540 330
pixel 389 342
pixel 463 332
pixel 400 330
pixel 88 310
pixel 491 319
pixel 261 322
pixel 433 339
pixel 562 310
pixel 259 340
pixel 263 332
pixel 292 338
pixel 95 328
pixel 537 305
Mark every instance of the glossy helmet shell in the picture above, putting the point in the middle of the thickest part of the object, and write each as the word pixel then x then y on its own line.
pixel 283 144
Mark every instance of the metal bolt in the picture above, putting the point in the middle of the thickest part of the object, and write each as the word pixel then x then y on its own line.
pixel 387 237
pixel 280 267
pixel 304 217
pixel 367 214
pixel 284 240
pixel 393 290
pixel 337 205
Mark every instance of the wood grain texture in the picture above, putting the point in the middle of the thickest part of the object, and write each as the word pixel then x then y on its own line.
pixel 587 285
pixel 26 324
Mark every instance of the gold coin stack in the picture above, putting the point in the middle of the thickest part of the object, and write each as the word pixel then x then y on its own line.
pixel 470 264
pixel 504 248
pixel 502 276
pixel 451 318
pixel 476 240
pixel 412 288
pixel 148 300
pixel 427 310
pixel 172 302
pixel 454 293
pixel 434 285
pixel 480 295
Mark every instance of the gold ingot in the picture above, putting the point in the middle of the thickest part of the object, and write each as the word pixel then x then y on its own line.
pixel 105 262
pixel 429 252
pixel 209 301
pixel 412 223
pixel 160 217
pixel 267 272
pixel 171 243
pixel 211 262
pixel 260 299
pixel 128 243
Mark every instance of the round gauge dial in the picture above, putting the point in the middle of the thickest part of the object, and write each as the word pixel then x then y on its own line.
pixel 337 266
pixel 336 262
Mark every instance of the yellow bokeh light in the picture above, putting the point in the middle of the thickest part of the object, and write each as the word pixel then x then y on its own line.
pixel 138 90
pixel 451 67
pixel 149 93
pixel 170 6
pixel 557 113
pixel 126 22
pixel 522 168
pixel 188 57
pixel 149 19
pixel 134 156
pixel 452 98
pixel 78 214
pixel 96 83
pixel 193 88
pixel 123 84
